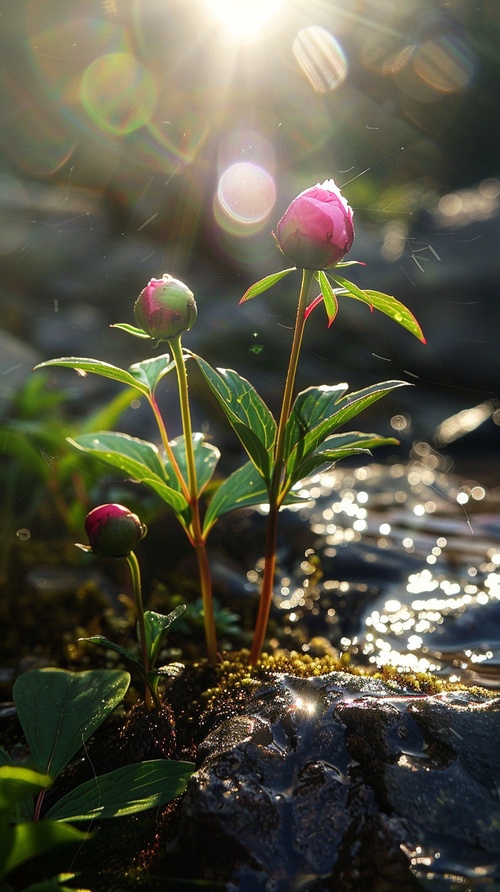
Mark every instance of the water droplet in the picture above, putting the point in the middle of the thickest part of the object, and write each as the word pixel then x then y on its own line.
pixel 23 534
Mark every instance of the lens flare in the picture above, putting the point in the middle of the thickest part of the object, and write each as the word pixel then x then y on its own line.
pixel 243 19
pixel 321 58
pixel 118 93
pixel 447 64
pixel 244 199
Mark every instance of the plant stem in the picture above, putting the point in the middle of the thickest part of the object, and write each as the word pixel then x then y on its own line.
pixel 198 539
pixel 275 495
pixel 166 445
pixel 151 696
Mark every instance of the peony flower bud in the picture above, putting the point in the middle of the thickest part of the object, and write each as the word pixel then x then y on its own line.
pixel 165 308
pixel 113 530
pixel 316 230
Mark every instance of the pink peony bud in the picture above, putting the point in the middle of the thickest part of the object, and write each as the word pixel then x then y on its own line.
pixel 316 230
pixel 113 530
pixel 165 308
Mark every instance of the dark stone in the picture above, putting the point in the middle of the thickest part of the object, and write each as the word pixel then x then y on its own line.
pixel 346 783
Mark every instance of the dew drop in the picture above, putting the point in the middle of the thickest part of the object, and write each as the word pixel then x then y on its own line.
pixel 23 534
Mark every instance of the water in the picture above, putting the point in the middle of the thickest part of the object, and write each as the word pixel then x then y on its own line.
pixel 402 569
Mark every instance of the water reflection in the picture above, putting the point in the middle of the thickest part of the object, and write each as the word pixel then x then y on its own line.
pixel 404 570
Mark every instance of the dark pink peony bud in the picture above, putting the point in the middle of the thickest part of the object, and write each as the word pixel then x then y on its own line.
pixel 165 308
pixel 113 530
pixel 316 230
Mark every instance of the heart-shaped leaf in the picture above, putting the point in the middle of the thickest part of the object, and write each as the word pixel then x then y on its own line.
pixel 59 710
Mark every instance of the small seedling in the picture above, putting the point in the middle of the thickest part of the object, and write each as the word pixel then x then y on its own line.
pixel 314 234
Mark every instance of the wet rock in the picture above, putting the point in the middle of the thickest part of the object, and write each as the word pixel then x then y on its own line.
pixel 345 782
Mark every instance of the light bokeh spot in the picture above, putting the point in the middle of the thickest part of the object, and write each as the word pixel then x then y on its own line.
pixel 321 58
pixel 118 93
pixel 447 64
pixel 245 197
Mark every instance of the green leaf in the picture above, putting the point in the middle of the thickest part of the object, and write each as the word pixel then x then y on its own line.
pixel 386 304
pixel 29 839
pixel 132 330
pixel 243 488
pixel 329 298
pixel 125 791
pixel 59 710
pixel 264 284
pixel 5 758
pixel 206 457
pixel 310 408
pixel 137 459
pixel 156 626
pixel 96 367
pixel 307 430
pixel 18 783
pixel 247 413
pixel 56 884
pixel 101 641
pixel 151 371
pixel 337 447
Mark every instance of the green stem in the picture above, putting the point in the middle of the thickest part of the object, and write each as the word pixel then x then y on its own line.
pixel 151 695
pixel 196 527
pixel 275 494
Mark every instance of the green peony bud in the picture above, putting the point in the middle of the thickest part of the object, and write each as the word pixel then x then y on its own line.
pixel 165 308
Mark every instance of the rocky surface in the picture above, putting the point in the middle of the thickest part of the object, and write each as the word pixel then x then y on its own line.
pixel 345 782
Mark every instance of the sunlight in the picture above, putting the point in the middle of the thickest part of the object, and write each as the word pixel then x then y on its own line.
pixel 243 19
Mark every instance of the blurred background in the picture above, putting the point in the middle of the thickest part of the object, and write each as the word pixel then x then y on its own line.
pixel 147 136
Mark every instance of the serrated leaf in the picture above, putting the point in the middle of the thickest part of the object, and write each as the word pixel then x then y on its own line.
pixel 95 367
pixel 264 284
pixel 329 298
pixel 150 371
pixel 137 459
pixel 337 447
pixel 206 457
pixel 132 330
pixel 386 304
pixel 125 791
pixel 310 408
pixel 59 710
pixel 307 411
pixel 247 413
pixel 156 626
